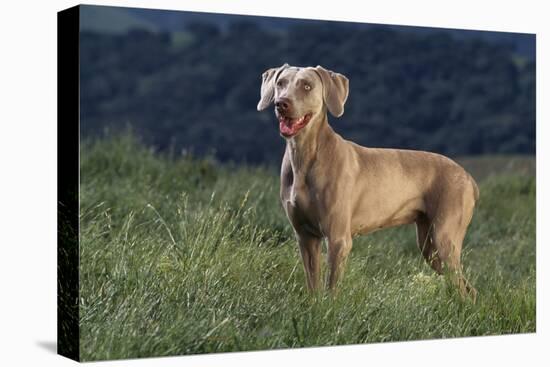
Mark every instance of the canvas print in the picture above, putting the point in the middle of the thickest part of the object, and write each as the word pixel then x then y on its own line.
pixel 237 183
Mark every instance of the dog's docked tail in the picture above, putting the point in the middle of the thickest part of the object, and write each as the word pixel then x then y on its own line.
pixel 476 189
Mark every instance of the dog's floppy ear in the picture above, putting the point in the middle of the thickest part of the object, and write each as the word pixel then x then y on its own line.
pixel 267 90
pixel 335 90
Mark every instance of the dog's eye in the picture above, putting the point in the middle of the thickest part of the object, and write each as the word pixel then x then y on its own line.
pixel 279 83
pixel 307 87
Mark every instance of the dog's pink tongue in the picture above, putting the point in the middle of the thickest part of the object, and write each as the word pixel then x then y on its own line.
pixel 289 127
pixel 285 127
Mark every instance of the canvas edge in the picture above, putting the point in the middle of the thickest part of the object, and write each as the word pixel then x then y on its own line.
pixel 68 166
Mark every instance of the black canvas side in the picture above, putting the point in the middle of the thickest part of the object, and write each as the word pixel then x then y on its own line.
pixel 67 182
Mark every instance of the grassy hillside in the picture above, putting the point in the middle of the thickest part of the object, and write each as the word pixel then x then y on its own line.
pixel 482 167
pixel 181 256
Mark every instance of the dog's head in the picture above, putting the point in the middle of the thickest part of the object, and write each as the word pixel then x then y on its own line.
pixel 301 94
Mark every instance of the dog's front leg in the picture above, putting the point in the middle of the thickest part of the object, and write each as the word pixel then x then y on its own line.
pixel 339 248
pixel 310 248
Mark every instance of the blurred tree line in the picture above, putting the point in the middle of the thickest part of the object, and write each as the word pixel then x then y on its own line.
pixel 197 90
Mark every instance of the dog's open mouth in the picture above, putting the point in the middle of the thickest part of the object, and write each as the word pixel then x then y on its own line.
pixel 290 127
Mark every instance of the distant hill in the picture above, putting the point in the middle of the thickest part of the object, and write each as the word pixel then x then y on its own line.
pixel 166 20
pixel 197 90
pixel 110 19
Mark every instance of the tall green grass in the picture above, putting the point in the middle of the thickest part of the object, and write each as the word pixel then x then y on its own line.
pixel 181 255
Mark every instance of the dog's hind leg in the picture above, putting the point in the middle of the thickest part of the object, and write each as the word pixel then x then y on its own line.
pixel 449 229
pixel 450 254
pixel 424 240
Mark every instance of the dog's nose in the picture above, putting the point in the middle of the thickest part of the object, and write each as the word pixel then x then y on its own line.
pixel 282 104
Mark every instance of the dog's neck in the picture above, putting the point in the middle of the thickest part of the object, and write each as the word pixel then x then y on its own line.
pixel 304 148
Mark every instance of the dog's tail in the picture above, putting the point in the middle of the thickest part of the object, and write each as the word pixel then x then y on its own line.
pixel 476 189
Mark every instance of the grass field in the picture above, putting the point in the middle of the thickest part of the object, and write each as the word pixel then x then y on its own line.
pixel 183 256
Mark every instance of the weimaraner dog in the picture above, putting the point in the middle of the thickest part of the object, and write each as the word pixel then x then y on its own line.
pixel 335 189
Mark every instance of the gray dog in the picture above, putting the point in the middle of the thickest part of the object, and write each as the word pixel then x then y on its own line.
pixel 333 188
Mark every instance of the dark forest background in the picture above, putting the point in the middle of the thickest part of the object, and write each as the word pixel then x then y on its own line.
pixel 189 82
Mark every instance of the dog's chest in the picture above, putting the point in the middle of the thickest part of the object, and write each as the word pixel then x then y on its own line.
pixel 298 197
pixel 301 207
